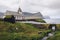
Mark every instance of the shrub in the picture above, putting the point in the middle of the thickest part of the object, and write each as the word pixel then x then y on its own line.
pixel 9 18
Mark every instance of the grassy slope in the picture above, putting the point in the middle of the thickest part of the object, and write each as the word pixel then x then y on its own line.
pixel 57 34
pixel 8 31
pixel 55 37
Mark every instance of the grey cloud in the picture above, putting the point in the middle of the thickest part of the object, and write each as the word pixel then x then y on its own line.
pixel 53 4
pixel 46 7
pixel 3 8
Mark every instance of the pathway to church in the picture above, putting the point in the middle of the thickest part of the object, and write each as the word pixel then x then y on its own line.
pixel 33 22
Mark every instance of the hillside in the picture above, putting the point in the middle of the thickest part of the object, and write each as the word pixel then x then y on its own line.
pixel 20 31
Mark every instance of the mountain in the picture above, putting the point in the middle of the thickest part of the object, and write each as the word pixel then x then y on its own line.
pixel 1 15
pixel 27 14
pixel 32 14
pixel 46 17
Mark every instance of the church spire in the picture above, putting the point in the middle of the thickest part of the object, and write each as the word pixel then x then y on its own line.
pixel 19 10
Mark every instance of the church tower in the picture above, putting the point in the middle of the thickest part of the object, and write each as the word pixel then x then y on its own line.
pixel 19 11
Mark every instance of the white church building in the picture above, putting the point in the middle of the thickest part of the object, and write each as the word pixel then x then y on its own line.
pixel 19 15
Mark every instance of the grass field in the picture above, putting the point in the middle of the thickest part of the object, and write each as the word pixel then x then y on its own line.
pixel 20 31
pixel 25 31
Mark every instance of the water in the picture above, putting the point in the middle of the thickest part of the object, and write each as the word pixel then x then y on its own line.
pixel 49 35
pixel 45 38
pixel 53 21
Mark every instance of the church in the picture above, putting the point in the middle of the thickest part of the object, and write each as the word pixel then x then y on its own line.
pixel 19 15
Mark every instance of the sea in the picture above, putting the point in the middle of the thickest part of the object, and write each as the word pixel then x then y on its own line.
pixel 53 21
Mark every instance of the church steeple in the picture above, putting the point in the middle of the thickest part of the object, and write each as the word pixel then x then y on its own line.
pixel 19 11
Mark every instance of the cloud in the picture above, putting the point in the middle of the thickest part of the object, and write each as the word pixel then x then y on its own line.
pixel 46 7
pixel 8 5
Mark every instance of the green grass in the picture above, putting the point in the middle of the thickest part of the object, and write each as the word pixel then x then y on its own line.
pixel 40 20
pixel 24 31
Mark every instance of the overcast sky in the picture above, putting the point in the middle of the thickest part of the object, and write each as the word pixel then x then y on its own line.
pixel 46 7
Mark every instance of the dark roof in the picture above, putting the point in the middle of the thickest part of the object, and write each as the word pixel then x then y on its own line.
pixel 1 14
